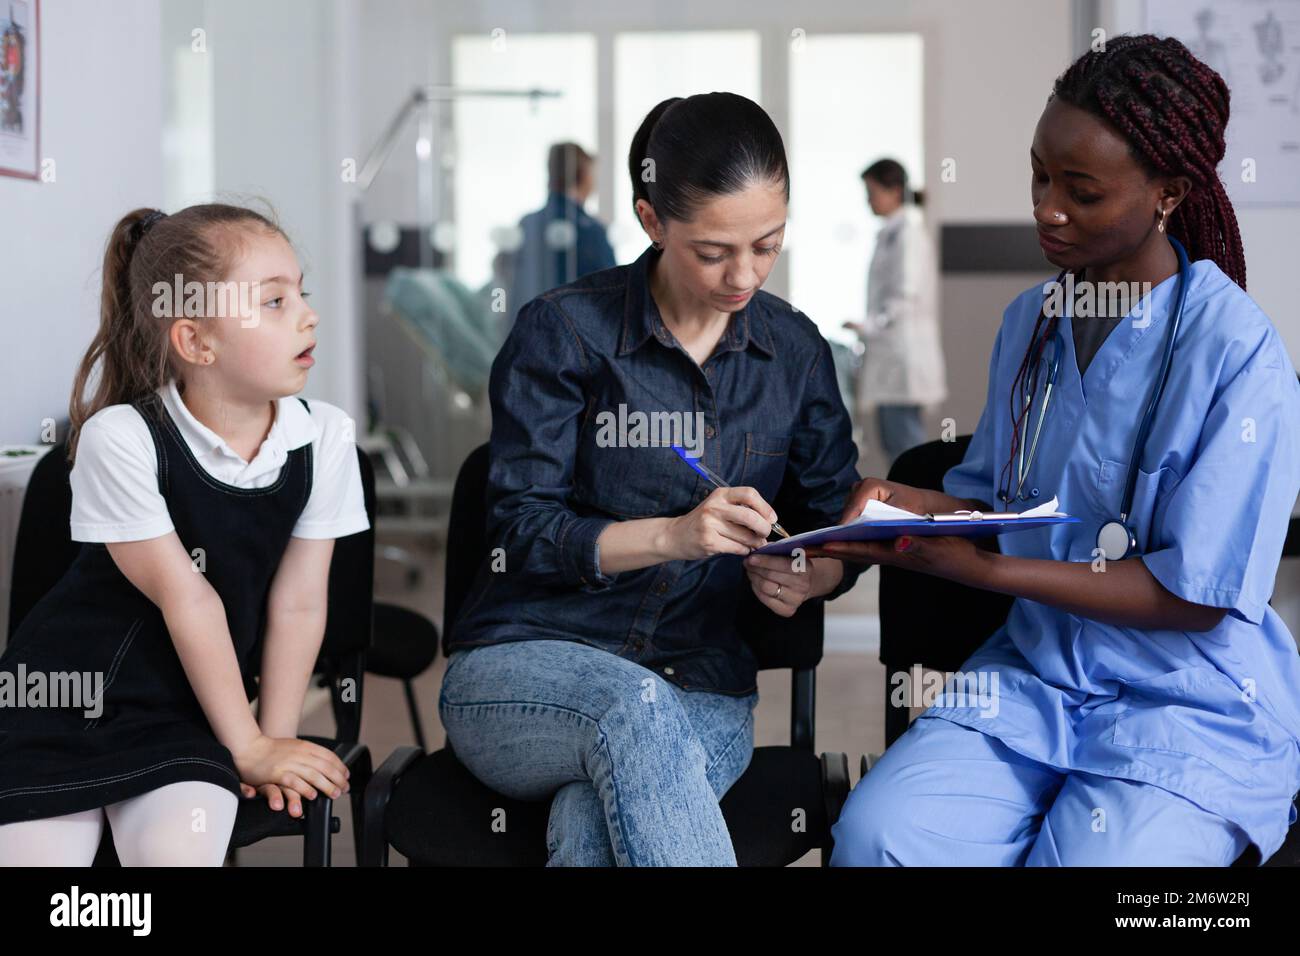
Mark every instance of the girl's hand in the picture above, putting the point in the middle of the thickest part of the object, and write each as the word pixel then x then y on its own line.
pixel 276 797
pixel 289 763
pixel 728 521
pixel 957 559
pixel 776 584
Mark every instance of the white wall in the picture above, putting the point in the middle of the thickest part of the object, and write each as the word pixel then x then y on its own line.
pixel 100 123
pixel 284 105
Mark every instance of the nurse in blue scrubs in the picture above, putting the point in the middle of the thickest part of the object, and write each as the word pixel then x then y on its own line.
pixel 1139 707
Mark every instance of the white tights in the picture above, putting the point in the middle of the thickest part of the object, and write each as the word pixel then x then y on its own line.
pixel 182 824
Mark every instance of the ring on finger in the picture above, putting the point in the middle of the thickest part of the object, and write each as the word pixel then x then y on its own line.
pixel 778 592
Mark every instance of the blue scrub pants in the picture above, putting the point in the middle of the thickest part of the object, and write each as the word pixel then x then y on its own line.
pixel 947 795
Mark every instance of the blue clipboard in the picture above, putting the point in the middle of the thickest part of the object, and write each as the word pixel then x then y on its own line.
pixel 920 527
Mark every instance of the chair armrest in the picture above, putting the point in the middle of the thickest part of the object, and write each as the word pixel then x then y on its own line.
pixel 835 784
pixel 352 754
pixel 374 839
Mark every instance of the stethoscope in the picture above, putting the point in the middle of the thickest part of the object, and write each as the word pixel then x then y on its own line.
pixel 1023 467
pixel 1115 539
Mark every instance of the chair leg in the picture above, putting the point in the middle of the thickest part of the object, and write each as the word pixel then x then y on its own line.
pixel 414 708
pixel 360 781
pixel 316 831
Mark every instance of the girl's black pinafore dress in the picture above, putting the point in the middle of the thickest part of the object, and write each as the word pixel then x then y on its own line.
pixel 151 730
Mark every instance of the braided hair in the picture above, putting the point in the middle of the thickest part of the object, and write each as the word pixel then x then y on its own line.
pixel 1173 110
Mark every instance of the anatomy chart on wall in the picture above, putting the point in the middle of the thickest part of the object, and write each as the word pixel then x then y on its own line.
pixel 1255 47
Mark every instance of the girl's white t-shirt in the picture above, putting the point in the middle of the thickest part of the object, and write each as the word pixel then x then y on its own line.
pixel 114 478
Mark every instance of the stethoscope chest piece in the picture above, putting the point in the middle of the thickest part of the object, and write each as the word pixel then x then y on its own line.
pixel 1116 541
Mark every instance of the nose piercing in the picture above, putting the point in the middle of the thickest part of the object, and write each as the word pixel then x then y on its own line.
pixel 1059 216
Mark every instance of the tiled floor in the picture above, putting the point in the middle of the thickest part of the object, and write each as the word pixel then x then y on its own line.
pixel 849 696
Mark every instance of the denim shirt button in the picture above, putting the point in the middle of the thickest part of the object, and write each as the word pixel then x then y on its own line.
pixel 669 671
pixel 639 643
pixel 708 431
pixel 661 587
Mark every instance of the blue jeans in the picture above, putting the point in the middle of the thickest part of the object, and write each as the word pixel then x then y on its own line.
pixel 634 766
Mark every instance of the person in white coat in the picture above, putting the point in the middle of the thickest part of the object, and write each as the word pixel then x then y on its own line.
pixel 902 368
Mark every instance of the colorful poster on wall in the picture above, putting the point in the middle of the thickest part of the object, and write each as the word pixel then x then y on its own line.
pixel 20 118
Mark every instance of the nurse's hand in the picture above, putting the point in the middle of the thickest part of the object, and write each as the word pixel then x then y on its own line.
pixel 952 557
pixel 777 584
pixel 890 492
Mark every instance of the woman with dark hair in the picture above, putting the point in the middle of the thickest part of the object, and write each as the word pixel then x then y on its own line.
pixel 902 364
pixel 1139 705
pixel 597 662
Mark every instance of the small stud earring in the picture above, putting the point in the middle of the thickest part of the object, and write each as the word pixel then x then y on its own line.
pixel 657 244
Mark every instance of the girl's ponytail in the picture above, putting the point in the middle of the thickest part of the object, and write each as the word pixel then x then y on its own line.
pixel 122 376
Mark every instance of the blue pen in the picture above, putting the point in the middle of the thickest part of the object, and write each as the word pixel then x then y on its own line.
pixel 703 471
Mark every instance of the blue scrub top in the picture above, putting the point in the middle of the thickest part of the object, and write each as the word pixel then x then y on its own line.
pixel 1212 716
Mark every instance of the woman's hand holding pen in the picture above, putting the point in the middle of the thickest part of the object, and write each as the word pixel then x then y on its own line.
pixel 728 521
pixel 288 767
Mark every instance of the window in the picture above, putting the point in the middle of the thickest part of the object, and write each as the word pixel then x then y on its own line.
pixel 701 62
pixel 854 98
pixel 501 144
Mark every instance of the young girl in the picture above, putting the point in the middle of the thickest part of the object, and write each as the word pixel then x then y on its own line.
pixel 1141 705
pixel 209 499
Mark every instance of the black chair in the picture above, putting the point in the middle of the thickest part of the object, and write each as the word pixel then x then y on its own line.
pixel 937 624
pixel 405 646
pixel 434 812
pixel 43 552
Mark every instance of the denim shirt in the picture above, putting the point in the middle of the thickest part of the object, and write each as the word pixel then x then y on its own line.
pixel 563 468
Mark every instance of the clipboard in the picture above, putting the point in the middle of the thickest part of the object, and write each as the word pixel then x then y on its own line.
pixel 960 524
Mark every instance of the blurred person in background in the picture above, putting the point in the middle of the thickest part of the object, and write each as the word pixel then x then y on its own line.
pixel 561 242
pixel 902 366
